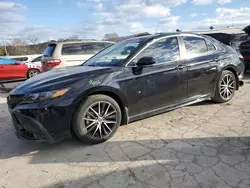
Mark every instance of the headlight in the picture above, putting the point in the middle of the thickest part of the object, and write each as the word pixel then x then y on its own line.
pixel 43 96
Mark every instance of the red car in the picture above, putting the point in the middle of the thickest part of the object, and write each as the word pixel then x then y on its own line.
pixel 14 70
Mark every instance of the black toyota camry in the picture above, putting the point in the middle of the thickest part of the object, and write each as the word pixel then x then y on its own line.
pixel 130 80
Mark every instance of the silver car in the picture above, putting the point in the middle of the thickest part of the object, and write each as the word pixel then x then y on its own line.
pixel 70 53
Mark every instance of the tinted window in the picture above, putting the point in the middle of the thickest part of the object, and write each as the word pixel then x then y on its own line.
pixel 20 58
pixel 117 53
pixel 82 48
pixel 162 51
pixel 93 48
pixel 6 61
pixel 37 59
pixel 107 44
pixel 195 46
pixel 210 47
pixel 240 38
pixel 49 50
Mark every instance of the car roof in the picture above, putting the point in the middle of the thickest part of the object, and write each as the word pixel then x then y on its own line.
pixel 160 35
pixel 79 41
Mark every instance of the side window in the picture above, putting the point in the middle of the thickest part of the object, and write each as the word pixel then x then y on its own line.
pixel 107 44
pixel 195 46
pixel 37 59
pixel 7 62
pixel 93 48
pixel 73 49
pixel 162 51
pixel 82 48
pixel 210 47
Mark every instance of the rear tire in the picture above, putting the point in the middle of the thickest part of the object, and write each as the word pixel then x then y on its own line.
pixel 97 119
pixel 225 88
pixel 32 72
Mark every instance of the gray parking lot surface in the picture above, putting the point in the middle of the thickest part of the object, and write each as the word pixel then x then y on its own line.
pixel 203 145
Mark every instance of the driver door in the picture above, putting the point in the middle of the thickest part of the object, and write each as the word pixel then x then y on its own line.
pixel 159 85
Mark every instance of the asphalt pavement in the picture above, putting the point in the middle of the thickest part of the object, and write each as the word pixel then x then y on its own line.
pixel 203 145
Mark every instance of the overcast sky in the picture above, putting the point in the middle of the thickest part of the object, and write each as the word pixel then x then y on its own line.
pixel 53 19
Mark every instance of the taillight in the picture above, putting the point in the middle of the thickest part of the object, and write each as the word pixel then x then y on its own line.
pixel 51 63
pixel 54 62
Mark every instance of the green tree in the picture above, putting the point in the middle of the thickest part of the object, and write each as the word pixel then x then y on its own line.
pixel 111 37
pixel 2 52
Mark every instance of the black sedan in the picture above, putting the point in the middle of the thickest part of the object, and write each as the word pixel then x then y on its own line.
pixel 130 80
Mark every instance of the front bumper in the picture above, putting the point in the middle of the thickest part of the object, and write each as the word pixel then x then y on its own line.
pixel 43 122
pixel 26 127
pixel 240 78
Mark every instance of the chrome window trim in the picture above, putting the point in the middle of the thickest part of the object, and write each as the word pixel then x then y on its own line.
pixel 150 43
pixel 182 48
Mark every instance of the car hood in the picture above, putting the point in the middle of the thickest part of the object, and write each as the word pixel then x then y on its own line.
pixel 64 76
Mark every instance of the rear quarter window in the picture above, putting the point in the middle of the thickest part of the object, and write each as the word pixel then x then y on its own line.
pixel 195 46
pixel 82 48
pixel 210 47
pixel 49 50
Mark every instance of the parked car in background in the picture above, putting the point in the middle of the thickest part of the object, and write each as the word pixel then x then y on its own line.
pixel 238 41
pixel 24 58
pixel 70 53
pixel 37 61
pixel 119 85
pixel 233 40
pixel 245 51
pixel 12 70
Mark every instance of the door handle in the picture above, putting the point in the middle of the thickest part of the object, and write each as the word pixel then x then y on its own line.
pixel 180 67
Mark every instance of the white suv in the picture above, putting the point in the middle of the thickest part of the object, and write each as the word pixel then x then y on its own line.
pixel 70 53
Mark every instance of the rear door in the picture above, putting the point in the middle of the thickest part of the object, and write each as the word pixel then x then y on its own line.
pixel 200 59
pixel 2 73
pixel 161 84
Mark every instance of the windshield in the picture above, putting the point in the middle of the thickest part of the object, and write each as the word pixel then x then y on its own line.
pixel 116 54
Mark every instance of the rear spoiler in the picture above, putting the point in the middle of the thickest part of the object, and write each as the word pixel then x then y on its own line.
pixel 247 29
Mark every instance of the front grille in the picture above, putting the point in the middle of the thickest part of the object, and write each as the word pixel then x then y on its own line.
pixel 26 123
pixel 28 135
pixel 14 100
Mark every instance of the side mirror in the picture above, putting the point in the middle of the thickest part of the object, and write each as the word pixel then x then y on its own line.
pixel 145 61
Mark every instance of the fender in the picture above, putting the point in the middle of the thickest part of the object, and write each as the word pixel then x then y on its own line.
pixel 113 92
pixel 104 89
pixel 228 67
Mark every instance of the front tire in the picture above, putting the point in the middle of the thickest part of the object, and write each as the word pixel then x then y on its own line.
pixel 97 119
pixel 225 88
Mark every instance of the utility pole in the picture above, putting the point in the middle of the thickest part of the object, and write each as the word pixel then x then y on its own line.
pixel 5 47
pixel 167 21
pixel 6 51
